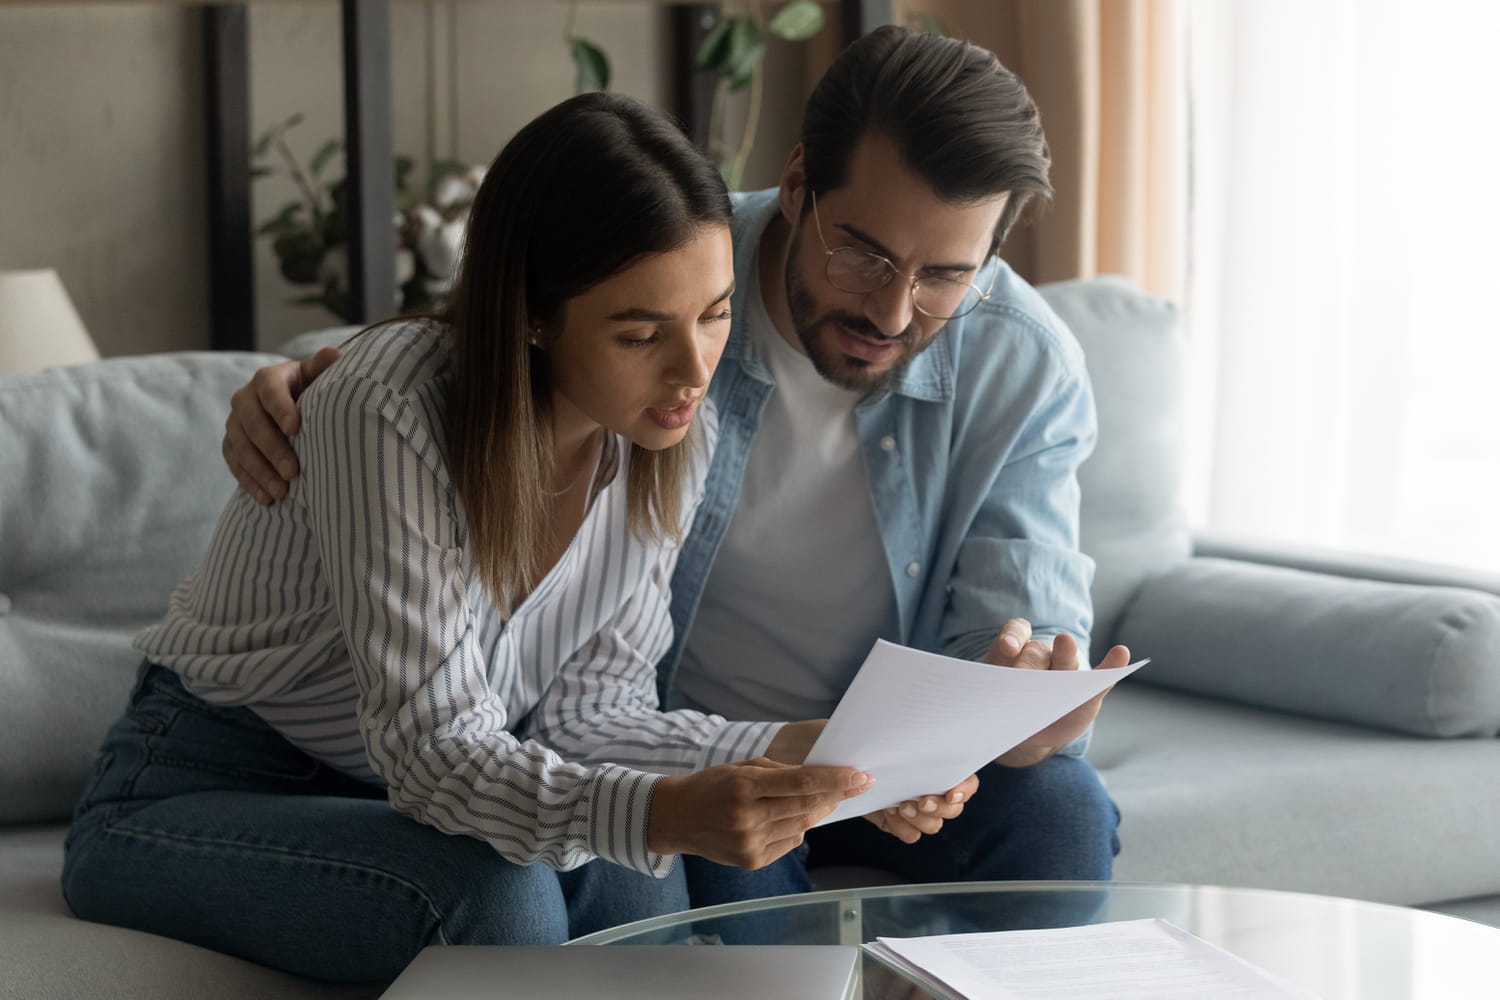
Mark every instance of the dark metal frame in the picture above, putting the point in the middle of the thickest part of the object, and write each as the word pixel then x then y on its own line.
pixel 231 266
pixel 371 158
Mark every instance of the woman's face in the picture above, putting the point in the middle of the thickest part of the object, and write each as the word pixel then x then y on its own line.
pixel 634 353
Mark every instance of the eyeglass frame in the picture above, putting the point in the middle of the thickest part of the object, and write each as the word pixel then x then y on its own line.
pixel 892 271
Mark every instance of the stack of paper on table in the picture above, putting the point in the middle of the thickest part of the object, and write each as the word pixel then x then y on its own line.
pixel 921 723
pixel 1128 960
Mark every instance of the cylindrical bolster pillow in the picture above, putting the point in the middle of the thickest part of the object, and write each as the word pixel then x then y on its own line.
pixel 1420 660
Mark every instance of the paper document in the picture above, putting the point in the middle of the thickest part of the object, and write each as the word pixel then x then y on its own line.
pixel 1127 960
pixel 921 722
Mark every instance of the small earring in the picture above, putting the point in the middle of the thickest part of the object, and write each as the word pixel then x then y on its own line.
pixel 535 339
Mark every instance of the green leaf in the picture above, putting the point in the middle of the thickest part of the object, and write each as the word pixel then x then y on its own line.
pixel 592 65
pixel 263 144
pixel 746 49
pixel 404 165
pixel 285 221
pixel 931 24
pixel 300 255
pixel 797 22
pixel 441 169
pixel 325 152
pixel 711 52
pixel 256 173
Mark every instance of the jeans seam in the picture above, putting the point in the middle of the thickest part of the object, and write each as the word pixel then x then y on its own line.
pixel 164 835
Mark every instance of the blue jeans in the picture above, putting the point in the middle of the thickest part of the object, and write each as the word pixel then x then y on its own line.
pixel 203 824
pixel 1050 821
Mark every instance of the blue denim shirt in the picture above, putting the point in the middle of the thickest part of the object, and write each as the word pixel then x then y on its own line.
pixel 972 453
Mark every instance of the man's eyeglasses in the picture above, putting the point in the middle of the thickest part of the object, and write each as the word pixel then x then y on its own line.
pixel 859 271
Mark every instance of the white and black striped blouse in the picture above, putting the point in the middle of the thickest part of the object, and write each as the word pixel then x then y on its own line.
pixel 350 617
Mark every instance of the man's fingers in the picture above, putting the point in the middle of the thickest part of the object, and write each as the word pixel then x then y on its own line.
pixel 276 388
pixel 1118 656
pixel 248 484
pixel 1064 652
pixel 265 432
pixel 247 463
pixel 1013 635
pixel 310 368
pixel 1035 655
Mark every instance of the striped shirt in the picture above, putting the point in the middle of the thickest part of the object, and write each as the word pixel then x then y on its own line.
pixel 350 616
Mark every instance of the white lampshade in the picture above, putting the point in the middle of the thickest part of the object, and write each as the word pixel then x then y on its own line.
pixel 39 327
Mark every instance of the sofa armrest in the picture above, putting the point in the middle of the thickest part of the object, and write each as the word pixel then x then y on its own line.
pixel 1415 658
pixel 1334 562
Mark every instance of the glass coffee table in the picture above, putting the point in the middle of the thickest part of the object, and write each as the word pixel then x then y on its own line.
pixel 1340 949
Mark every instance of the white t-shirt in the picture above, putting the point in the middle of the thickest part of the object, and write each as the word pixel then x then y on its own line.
pixel 800 588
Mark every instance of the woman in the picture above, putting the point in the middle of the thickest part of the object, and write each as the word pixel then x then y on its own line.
pixel 457 609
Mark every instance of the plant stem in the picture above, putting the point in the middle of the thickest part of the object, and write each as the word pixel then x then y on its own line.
pixel 716 118
pixel 752 120
pixel 300 178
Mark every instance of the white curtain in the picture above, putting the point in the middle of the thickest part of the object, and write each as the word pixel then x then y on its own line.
pixel 1344 273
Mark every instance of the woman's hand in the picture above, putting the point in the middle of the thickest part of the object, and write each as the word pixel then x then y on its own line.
pixel 746 814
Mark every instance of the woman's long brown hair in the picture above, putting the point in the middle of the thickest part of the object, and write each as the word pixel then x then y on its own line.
pixel 579 194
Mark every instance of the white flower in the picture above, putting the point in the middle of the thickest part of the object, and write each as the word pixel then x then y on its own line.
pixel 406 266
pixel 333 270
pixel 440 247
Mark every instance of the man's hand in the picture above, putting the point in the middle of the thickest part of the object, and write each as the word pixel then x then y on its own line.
pixel 262 419
pixel 746 814
pixel 908 821
pixel 1014 647
pixel 794 740
pixel 913 819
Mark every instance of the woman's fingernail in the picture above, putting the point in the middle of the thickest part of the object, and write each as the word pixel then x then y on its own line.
pixel 908 810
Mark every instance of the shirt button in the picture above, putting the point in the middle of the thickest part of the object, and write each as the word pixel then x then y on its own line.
pixel 371 724
pixel 887 443
pixel 912 569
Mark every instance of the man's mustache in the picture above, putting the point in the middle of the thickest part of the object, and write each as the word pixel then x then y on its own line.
pixel 862 326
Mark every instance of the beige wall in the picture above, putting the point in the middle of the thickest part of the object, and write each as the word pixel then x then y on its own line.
pixel 101 132
pixel 101 169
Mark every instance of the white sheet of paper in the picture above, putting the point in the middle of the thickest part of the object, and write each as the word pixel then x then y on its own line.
pixel 921 722
pixel 1149 959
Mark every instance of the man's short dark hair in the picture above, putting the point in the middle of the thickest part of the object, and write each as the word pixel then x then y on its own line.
pixel 962 121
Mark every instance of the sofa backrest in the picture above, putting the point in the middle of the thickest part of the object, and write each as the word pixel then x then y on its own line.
pixel 1133 523
pixel 110 485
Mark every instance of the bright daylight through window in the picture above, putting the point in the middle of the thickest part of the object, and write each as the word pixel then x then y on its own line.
pixel 1344 251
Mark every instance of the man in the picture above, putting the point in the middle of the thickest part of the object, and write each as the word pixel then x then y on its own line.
pixel 901 424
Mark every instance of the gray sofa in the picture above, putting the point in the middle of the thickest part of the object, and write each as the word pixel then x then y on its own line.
pixel 1308 722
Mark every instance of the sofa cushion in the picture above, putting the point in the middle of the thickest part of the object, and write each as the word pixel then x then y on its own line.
pixel 1223 794
pixel 1416 659
pixel 110 484
pixel 1132 522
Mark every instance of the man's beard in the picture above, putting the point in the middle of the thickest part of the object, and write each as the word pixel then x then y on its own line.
pixel 828 361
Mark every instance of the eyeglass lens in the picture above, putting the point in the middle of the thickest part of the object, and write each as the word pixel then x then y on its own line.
pixel 857 271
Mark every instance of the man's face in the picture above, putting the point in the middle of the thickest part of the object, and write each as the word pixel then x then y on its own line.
pixel 857 341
